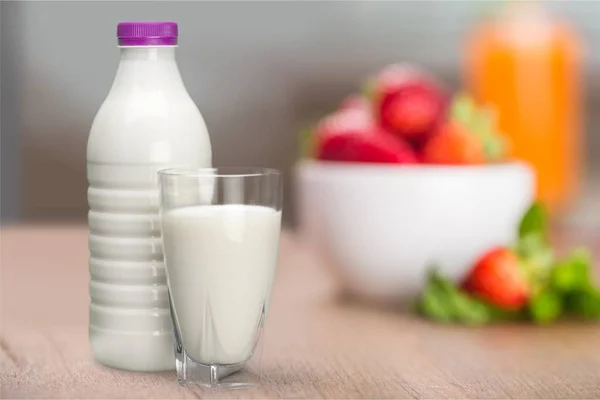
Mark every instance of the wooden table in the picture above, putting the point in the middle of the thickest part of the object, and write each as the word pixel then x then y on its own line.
pixel 318 345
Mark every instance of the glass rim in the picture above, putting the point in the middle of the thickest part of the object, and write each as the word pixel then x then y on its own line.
pixel 219 172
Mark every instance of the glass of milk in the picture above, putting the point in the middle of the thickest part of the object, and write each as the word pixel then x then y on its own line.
pixel 220 233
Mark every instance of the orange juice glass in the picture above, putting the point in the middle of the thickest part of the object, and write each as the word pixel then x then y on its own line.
pixel 527 65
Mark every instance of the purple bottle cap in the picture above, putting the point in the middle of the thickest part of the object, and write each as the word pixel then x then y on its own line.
pixel 147 33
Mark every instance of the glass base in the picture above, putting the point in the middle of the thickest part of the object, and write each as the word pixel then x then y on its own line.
pixel 235 376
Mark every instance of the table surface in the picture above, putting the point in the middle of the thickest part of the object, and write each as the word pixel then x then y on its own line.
pixel 318 345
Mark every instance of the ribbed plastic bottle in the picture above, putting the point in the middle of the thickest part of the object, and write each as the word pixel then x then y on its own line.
pixel 147 122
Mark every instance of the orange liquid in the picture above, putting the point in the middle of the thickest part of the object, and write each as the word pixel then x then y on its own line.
pixel 534 85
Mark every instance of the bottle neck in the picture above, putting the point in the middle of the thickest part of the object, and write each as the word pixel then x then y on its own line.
pixel 147 67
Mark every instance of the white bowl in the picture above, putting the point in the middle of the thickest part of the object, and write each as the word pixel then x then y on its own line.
pixel 382 226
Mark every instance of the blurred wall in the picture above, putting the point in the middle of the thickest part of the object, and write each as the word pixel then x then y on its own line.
pixel 258 70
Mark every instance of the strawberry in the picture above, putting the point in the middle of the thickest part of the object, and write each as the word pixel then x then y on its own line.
pixel 352 135
pixel 452 143
pixel 407 102
pixel 497 279
pixel 373 146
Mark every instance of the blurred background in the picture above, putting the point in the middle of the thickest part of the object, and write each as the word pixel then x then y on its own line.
pixel 259 72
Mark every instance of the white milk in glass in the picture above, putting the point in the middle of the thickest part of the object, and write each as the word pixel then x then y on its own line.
pixel 221 263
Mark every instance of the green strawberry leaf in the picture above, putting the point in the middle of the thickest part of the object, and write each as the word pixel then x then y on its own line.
pixel 306 144
pixel 368 89
pixel 568 287
pixel 482 123
pixel 434 306
pixel 499 314
pixel 573 273
pixel 463 109
pixel 533 245
pixel 495 147
pixel 584 303
pixel 469 310
pixel 534 222
pixel 463 308
pixel 485 126
pixel 534 250
pixel 536 260
pixel 546 306
pixel 433 302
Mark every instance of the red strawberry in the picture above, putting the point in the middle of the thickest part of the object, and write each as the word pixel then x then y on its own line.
pixel 407 102
pixel 497 278
pixel 352 135
pixel 452 143
pixel 374 146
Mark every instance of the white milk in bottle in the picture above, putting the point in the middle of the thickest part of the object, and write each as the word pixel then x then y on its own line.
pixel 148 122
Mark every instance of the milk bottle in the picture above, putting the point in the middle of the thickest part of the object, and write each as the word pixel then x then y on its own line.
pixel 148 122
